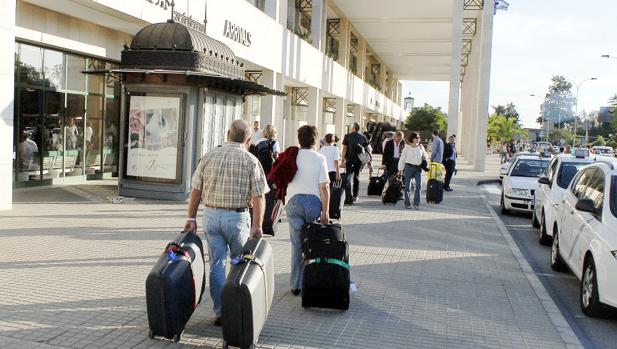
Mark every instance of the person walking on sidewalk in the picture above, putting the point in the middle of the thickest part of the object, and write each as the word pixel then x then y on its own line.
pixel 410 167
pixel 354 143
pixel 333 156
pixel 437 153
pixel 392 153
pixel 449 161
pixel 308 199
pixel 267 149
pixel 227 181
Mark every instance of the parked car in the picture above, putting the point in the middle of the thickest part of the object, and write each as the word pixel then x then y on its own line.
pixel 600 150
pixel 552 185
pixel 503 170
pixel 520 183
pixel 585 238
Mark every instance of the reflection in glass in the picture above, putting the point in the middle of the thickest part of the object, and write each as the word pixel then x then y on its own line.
pixel 30 65
pixel 229 113
pixel 54 69
pixel 208 124
pixel 74 135
pixel 95 81
pixel 29 136
pixel 51 161
pixel 76 80
pixel 219 121
pixel 92 134
pixel 110 143
pixel 112 84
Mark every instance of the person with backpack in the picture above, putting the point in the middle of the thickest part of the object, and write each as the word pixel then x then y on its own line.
pixel 410 165
pixel 308 198
pixel 267 148
pixel 355 156
pixel 333 156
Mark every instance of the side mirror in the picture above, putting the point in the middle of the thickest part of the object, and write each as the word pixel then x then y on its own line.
pixel 586 205
pixel 544 180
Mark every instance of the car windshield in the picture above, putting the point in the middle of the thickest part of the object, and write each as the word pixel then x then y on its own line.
pixel 529 167
pixel 567 172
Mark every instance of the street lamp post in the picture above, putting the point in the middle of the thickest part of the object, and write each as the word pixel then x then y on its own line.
pixel 578 86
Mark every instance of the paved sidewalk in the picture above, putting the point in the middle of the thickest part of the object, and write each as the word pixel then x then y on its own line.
pixel 73 268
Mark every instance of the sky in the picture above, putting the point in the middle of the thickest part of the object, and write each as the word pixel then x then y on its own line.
pixel 536 39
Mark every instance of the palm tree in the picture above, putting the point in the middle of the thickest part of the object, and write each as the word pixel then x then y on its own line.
pixel 503 129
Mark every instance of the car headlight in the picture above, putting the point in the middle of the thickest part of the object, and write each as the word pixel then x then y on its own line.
pixel 614 253
pixel 521 192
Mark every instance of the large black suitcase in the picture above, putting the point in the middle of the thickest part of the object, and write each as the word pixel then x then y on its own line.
pixel 175 286
pixel 376 185
pixel 247 294
pixel 337 199
pixel 393 192
pixel 326 266
pixel 434 191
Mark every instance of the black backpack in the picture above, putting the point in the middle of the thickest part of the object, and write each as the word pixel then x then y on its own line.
pixel 265 154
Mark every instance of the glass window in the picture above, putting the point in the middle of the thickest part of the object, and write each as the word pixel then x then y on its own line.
pixel 112 85
pixel 76 80
pixel 219 118
pixel 578 188
pixel 74 134
pixel 595 189
pixel 92 134
pixel 230 109
pixel 208 124
pixel 29 140
pixel 529 168
pixel 95 81
pixel 30 65
pixel 614 195
pixel 567 172
pixel 111 137
pixel 550 170
pixel 52 135
pixel 54 68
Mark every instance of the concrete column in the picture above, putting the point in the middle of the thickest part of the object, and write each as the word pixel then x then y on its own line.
pixel 455 75
pixel 288 131
pixel 362 58
pixel 382 77
pixel 318 27
pixel 281 10
pixel 315 109
pixel 272 106
pixel 344 43
pixel 7 84
pixel 340 116
pixel 484 80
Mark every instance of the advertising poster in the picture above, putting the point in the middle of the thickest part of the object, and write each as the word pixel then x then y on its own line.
pixel 153 137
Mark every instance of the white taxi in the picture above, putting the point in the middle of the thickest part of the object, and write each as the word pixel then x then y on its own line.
pixel 520 183
pixel 503 170
pixel 552 185
pixel 585 236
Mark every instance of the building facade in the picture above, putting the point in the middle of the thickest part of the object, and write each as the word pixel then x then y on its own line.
pixel 339 61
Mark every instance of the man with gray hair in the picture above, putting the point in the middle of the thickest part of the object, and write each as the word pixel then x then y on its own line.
pixel 228 180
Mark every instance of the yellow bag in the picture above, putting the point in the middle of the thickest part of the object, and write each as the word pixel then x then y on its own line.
pixel 436 171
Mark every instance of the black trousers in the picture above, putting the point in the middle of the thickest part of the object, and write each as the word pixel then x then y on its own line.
pixel 391 168
pixel 450 165
pixel 332 176
pixel 352 167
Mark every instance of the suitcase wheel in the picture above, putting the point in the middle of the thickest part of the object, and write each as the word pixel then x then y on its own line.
pixel 151 334
pixel 176 337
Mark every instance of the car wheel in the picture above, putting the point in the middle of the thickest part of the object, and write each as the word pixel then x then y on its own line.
pixel 557 263
pixel 534 220
pixel 543 238
pixel 590 297
pixel 504 210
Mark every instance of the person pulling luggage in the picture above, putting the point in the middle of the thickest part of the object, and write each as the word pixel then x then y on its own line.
pixel 227 181
pixel 449 161
pixel 333 157
pixel 308 198
pixel 354 145
pixel 392 153
pixel 410 167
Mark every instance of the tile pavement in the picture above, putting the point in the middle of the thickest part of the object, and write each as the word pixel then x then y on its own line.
pixel 73 267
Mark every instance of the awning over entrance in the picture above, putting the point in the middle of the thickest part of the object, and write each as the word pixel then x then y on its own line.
pixel 172 48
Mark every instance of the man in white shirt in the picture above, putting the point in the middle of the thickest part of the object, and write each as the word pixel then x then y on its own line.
pixel 256 136
pixel 26 149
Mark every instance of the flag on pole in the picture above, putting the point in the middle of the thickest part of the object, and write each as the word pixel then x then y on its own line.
pixel 501 5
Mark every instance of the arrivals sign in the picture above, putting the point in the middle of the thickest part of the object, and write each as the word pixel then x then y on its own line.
pixel 237 33
pixel 153 137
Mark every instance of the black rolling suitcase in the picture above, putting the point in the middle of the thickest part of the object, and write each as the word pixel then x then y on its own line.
pixel 393 192
pixel 376 185
pixel 247 295
pixel 326 266
pixel 272 214
pixel 337 199
pixel 175 286
pixel 434 191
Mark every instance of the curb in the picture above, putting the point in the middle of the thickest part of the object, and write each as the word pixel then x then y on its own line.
pixel 487 181
pixel 561 325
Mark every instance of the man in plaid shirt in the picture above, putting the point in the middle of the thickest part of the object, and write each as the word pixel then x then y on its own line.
pixel 227 181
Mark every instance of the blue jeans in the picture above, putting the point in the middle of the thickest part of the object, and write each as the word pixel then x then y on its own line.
pixel 223 230
pixel 412 172
pixel 301 209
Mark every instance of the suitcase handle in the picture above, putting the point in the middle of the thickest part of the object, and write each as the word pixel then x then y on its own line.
pixel 248 257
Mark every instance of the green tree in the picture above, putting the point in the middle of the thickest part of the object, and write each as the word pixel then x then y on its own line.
pixel 427 118
pixel 558 102
pixel 557 135
pixel 504 129
pixel 509 111
pixel 599 141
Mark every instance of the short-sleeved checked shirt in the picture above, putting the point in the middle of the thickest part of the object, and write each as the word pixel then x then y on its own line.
pixel 229 177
